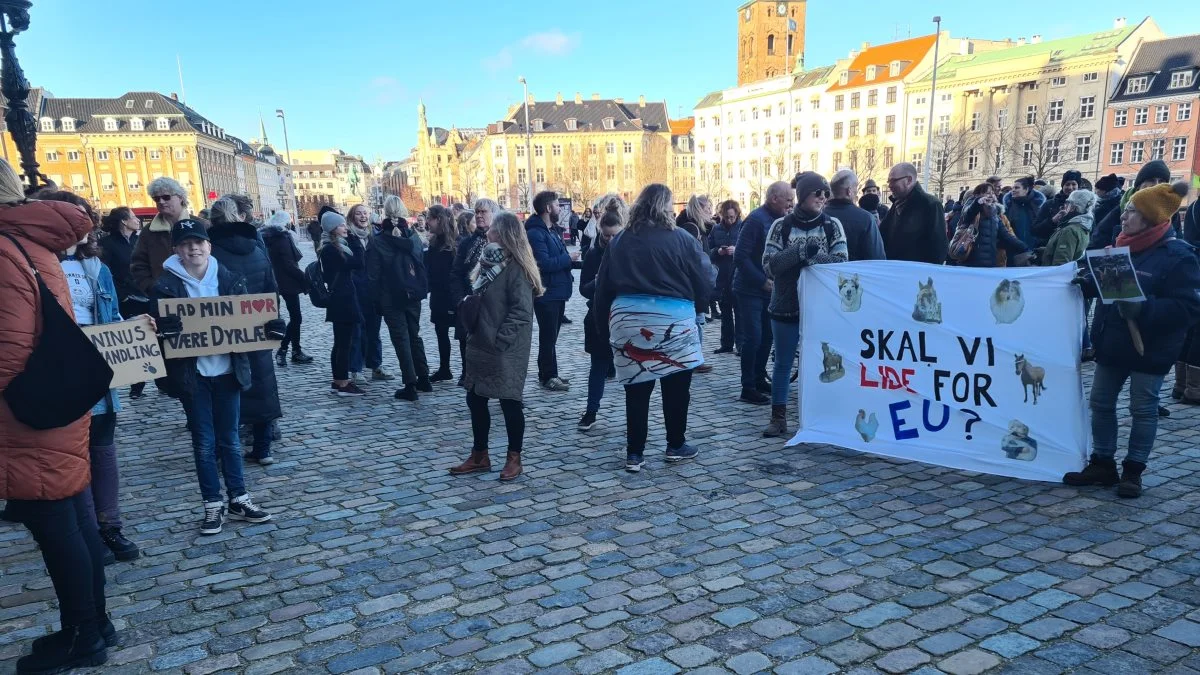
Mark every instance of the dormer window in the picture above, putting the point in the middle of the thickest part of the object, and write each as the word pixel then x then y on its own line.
pixel 894 69
pixel 870 73
pixel 129 104
pixel 1137 85
pixel 539 125
pixel 609 123
pixel 149 103
pixel 572 124
pixel 110 124
pixel 137 124
pixel 845 77
pixel 162 124
pixel 68 124
pixel 47 124
pixel 1181 79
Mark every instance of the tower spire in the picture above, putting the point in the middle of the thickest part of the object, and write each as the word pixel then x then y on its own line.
pixel 262 130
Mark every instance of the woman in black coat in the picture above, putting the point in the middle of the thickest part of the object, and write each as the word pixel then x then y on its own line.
pixel 612 220
pixel 439 262
pixel 238 248
pixel 341 255
pixel 285 263
pixel 116 250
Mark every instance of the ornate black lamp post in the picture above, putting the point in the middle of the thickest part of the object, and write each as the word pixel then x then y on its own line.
pixel 14 18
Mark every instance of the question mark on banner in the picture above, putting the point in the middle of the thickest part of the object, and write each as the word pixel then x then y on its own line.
pixel 976 417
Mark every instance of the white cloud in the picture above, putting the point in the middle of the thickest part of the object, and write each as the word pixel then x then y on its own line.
pixel 546 43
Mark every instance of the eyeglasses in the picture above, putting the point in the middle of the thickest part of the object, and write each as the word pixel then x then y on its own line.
pixel 162 198
pixel 891 180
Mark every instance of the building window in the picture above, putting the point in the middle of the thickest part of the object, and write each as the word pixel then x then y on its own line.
pixel 1158 148
pixel 753 140
pixel 539 151
pixel 782 110
pixel 522 176
pixel 1031 114
pixel 998 159
pixel 1137 85
pixel 767 112
pixel 1179 149
pixel 1141 116
pixel 855 99
pixel 1137 152
pixel 741 169
pixel 110 124
pixel 628 147
pixel 839 102
pixel 742 142
pixel 573 124
pixel 943 124
pixel 837 130
pixel 1083 148
pixel 918 160
pixel 162 124
pixel 47 124
pixel 853 128
pixel 887 156
pixel 180 153
pixel 1180 79
pixel 796 165
pixel 729 170
pixel 540 125
pixel 1183 113
pixel 1027 154
pixel 498 151
pixel 1162 113
pixel 816 130
pixel 872 98
pixel 68 124
pixel 815 103
pixel 1002 118
pixel 1058 82
pixel 753 168
pixel 891 95
pixel 1091 77
pixel 975 118
pixel 556 150
pixel 1056 111
pixel 889 124
pixel 837 161
pixel 1052 151
pixel 799 106
pixel 137 124
pixel 1087 107
pixel 871 126
pixel 1120 118
pixel 520 151
pixel 128 155
pixel 972 160
pixel 102 155
pixel 918 126
pixel 610 148
pixel 766 138
pixel 73 155
pixel 798 134
pixel 1117 154
pixel 155 154
pixel 106 182
pixel 539 174
pixel 51 155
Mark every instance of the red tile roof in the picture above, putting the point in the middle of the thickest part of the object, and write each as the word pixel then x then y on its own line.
pixel 909 52
pixel 682 127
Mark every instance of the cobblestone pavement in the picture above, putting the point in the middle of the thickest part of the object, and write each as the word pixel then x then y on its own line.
pixel 752 558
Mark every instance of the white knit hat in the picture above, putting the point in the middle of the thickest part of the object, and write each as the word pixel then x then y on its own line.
pixel 1083 201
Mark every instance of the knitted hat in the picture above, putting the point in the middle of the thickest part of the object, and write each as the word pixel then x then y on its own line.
pixel 1154 169
pixel 1072 175
pixel 1083 201
pixel 807 183
pixel 1157 204
pixel 331 221
pixel 1107 183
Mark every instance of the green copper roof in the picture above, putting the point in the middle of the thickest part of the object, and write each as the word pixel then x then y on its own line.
pixel 1053 51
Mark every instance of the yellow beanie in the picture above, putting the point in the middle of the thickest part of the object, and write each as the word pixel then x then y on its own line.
pixel 1157 204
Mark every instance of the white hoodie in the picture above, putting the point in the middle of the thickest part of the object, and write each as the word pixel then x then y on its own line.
pixel 208 366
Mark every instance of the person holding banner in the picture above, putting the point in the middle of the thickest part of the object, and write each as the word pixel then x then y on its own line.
pixel 806 236
pixel 1169 275
pixel 212 385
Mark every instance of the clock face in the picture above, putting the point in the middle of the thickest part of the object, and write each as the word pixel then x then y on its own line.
pixel 782 9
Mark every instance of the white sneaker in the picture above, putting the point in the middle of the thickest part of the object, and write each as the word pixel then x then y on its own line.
pixel 556 384
pixel 357 378
pixel 243 508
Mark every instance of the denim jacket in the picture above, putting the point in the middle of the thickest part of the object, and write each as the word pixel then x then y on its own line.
pixel 106 310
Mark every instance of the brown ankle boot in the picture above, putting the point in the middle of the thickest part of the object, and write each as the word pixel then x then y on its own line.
pixel 512 467
pixel 1179 390
pixel 1191 390
pixel 778 425
pixel 478 462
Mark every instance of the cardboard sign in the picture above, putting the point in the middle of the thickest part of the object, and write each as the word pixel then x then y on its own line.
pixel 131 350
pixel 974 369
pixel 221 325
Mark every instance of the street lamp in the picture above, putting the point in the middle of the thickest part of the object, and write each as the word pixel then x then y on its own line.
pixel 528 148
pixel 287 148
pixel 937 20
pixel 14 19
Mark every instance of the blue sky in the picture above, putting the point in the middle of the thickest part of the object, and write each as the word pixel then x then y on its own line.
pixel 352 80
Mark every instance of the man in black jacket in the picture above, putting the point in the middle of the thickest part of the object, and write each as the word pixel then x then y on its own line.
pixel 285 262
pixel 872 200
pixel 862 231
pixel 915 227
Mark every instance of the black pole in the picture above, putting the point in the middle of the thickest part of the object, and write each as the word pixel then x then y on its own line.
pixel 14 19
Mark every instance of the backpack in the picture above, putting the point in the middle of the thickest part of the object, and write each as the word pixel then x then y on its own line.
pixel 963 243
pixel 318 292
pixel 65 375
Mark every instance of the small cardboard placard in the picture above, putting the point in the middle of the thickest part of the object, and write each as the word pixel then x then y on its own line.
pixel 220 325
pixel 131 350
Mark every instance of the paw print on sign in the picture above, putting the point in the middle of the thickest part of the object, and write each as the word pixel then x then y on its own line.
pixel 146 367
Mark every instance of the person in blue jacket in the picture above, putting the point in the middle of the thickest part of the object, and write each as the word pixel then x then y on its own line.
pixel 554 262
pixel 752 292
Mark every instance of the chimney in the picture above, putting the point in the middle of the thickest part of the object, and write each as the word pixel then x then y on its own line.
pixel 1036 39
pixel 964 47
pixel 641 101
pixel 558 99
pixel 595 97
pixel 174 96
pixel 619 101
pixel 578 98
pixel 865 46
pixel 1020 42
pixel 1119 23
pixel 531 101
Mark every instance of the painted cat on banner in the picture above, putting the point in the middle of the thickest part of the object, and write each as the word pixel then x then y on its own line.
pixel 974 369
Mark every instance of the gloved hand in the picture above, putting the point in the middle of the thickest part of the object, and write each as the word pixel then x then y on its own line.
pixel 169 326
pixel 1083 279
pixel 1129 310
pixel 276 329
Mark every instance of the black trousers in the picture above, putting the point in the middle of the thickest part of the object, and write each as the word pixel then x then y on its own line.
pixel 549 321
pixel 481 421
pixel 339 357
pixel 728 325
pixel 676 397
pixel 442 330
pixel 65 529
pixel 292 301
pixel 404 327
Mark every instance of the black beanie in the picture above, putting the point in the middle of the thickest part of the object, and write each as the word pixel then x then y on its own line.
pixel 1107 183
pixel 1072 175
pixel 807 183
pixel 1155 168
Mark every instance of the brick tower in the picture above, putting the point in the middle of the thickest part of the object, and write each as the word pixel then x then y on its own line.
pixel 770 38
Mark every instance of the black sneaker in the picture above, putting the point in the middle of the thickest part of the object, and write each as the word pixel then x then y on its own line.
pixel 681 453
pixel 214 518
pixel 281 359
pixel 763 386
pixel 754 396
pixel 587 421
pixel 424 384
pixel 300 357
pixel 724 350
pixel 441 376
pixel 408 393
pixel 242 508
pixel 634 461
pixel 61 641
pixel 82 647
pixel 121 547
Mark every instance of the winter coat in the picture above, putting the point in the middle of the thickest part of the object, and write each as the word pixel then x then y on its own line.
pixel 105 309
pixel 915 229
pixel 787 253
pixel 990 237
pixel 1070 242
pixel 497 356
pixel 442 304
pixel 362 284
pixel 117 253
pixel 1191 224
pixel 182 373
pixel 552 259
pixel 1170 278
pixel 338 269
pixel 238 249
pixel 593 343
pixel 396 270
pixel 152 250
pixel 1106 204
pixel 314 233
pixel 719 237
pixel 863 241
pixel 285 260
pixel 465 259
pixel 684 222
pixel 51 464
pixel 1044 226
pixel 1022 214
pixel 749 277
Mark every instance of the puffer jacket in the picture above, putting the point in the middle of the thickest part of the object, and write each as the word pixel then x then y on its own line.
pixel 991 236
pixel 338 269
pixel 552 260
pixel 396 269
pixel 1022 214
pixel 1070 242
pixel 51 464
pixel 285 260
pixel 117 253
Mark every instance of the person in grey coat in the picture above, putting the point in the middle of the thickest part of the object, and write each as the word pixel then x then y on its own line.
pixel 498 319
pixel 861 226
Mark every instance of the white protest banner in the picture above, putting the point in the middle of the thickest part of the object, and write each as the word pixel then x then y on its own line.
pixel 220 325
pixel 974 369
pixel 131 350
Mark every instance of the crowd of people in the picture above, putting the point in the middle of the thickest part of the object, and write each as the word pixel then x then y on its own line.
pixel 652 278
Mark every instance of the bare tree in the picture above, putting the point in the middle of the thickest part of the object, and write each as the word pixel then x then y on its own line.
pixel 712 183
pixel 865 156
pixel 655 164
pixel 581 173
pixel 951 155
pixel 411 197
pixel 1047 143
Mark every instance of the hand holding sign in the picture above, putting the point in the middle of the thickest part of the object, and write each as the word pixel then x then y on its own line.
pixel 130 348
pixel 218 325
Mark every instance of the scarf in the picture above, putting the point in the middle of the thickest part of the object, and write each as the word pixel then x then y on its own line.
pixel 363 233
pixel 1145 239
pixel 492 262
pixel 340 243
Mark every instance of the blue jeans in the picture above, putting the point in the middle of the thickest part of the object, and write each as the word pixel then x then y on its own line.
pixel 596 377
pixel 1143 411
pixel 754 337
pixel 787 339
pixel 215 408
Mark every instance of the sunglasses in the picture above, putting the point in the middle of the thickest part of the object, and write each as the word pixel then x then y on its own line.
pixel 162 198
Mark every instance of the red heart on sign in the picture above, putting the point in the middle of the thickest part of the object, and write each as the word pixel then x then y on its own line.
pixel 259 305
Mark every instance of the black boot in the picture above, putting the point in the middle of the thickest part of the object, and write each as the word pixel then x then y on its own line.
pixel 60 641
pixel 1131 479
pixel 442 375
pixel 116 542
pixel 424 385
pixel 281 358
pixel 408 393
pixel 298 356
pixel 78 647
pixel 1099 471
